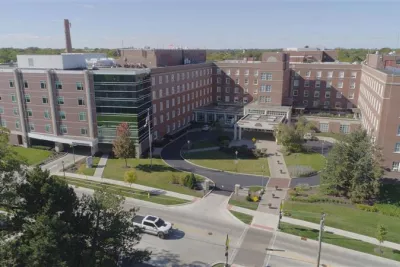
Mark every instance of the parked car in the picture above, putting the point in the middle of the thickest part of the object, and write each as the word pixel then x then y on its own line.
pixel 153 225
pixel 205 128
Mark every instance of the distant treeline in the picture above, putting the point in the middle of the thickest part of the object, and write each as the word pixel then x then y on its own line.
pixel 345 55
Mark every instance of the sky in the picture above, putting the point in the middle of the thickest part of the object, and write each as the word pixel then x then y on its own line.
pixel 211 24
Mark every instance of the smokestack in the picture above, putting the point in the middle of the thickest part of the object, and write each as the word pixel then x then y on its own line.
pixel 68 44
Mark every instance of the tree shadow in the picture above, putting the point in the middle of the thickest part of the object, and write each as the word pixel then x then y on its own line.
pixel 155 168
pixel 167 258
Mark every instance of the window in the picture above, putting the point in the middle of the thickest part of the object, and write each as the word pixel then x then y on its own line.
pixel 344 129
pixel 161 106
pixel 227 90
pixel 79 86
pixel 236 99
pixel 295 92
pixel 46 114
pixel 237 72
pixel 45 100
pixel 218 99
pixel 82 116
pixel 328 84
pixel 308 73
pixel 324 127
pixel 62 115
pixel 15 111
pixel 58 85
pixel 351 95
pixel 27 98
pixel 352 85
pixel 153 80
pixel 396 165
pixel 160 93
pixel 341 74
pixel 17 124
pixel 246 90
pixel 1 110
pixel 296 83
pixel 256 73
pixel 218 71
pixel 398 130
pixel 306 83
pixel 305 93
pixel 47 128
pixel 13 98
pixel 167 103
pixel 317 84
pixel 168 128
pixel 218 81
pixel 43 85
pixel 397 147
pixel 319 74
pixel 218 89
pixel 237 81
pixel 266 76
pixel 227 98
pixel 26 85
pixel 81 101
pixel 305 103
pixel 31 127
pixel 268 99
pixel 340 84
pixel 172 77
pixel 255 91
pixel 154 95
pixel 63 129
pixel 316 103
pixel 84 131
pixel 316 93
pixel 262 99
pixel 246 72
pixel 167 116
pixel 160 79
pixel 161 118
pixel 228 72
pixel 338 105
pixel 327 104
pixel 60 100
pixel 236 90
pixel 227 80
pixel 328 94
pixel 11 83
pixel 338 94
pixel 330 74
pixel 353 74
pixel 297 74
pixel 245 100
pixel 255 82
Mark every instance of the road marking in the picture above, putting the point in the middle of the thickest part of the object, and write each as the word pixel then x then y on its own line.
pixel 262 227
pixel 270 246
pixel 239 244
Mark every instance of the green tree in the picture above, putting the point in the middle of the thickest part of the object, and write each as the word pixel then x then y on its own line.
pixel 123 146
pixel 381 233
pixel 130 177
pixel 190 181
pixel 353 168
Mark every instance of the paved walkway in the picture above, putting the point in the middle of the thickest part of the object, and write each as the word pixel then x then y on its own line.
pixel 121 183
pixel 269 224
pixel 101 165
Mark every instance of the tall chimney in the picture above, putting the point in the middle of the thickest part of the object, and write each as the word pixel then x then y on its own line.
pixel 68 44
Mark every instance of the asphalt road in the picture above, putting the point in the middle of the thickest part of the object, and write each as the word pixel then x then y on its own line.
pixel 223 180
pixel 200 233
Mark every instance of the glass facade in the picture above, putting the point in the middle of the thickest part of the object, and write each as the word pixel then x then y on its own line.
pixel 122 98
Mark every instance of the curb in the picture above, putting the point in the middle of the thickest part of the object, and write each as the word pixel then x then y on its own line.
pixel 188 161
pixel 230 213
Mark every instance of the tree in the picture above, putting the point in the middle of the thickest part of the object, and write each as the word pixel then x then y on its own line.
pixel 123 146
pixel 353 168
pixel 381 233
pixel 12 171
pixel 111 235
pixel 130 177
pixel 190 181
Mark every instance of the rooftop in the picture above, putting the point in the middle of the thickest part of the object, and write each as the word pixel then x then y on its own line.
pixel 222 108
pixel 392 71
pixel 263 122
pixel 256 105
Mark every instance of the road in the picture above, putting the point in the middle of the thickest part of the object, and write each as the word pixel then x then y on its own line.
pixel 200 234
pixel 226 181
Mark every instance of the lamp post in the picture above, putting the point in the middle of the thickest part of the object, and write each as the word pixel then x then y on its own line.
pixel 236 153
pixel 63 168
pixel 236 161
pixel 321 229
pixel 188 145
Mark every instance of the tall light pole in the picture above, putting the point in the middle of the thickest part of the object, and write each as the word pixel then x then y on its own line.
pixel 236 160
pixel 321 229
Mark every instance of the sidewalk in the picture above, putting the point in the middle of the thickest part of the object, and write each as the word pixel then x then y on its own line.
pixel 121 183
pixel 100 166
pixel 335 231
pixel 271 219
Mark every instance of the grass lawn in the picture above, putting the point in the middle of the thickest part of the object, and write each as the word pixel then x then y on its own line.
pixel 314 160
pixel 33 156
pixel 88 171
pixel 222 161
pixel 203 144
pixel 346 218
pixel 243 203
pixel 158 176
pixel 339 241
pixel 243 217
pixel 255 188
pixel 126 192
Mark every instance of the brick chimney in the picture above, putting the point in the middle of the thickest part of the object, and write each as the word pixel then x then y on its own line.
pixel 68 44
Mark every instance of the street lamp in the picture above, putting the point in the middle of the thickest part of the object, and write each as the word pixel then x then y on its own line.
pixel 188 142
pixel 236 152
pixel 63 168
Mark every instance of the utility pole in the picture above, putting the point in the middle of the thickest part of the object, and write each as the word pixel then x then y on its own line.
pixel 321 229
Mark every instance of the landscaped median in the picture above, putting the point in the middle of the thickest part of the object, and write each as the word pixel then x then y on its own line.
pixel 126 191
pixel 33 156
pixel 247 219
pixel 341 241
pixel 304 164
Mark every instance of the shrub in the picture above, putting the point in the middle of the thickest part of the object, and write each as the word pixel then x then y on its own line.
pixel 42 147
pixel 255 198
pixel 182 180
pixel 367 208
pixel 248 198
pixel 174 179
pixel 222 138
pixel 303 187
pixel 190 181
pixel 388 209
pixel 293 193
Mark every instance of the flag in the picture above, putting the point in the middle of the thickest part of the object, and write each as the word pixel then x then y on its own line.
pixel 147 118
pixel 227 243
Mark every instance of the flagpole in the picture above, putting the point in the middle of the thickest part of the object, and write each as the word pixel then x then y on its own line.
pixel 149 125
